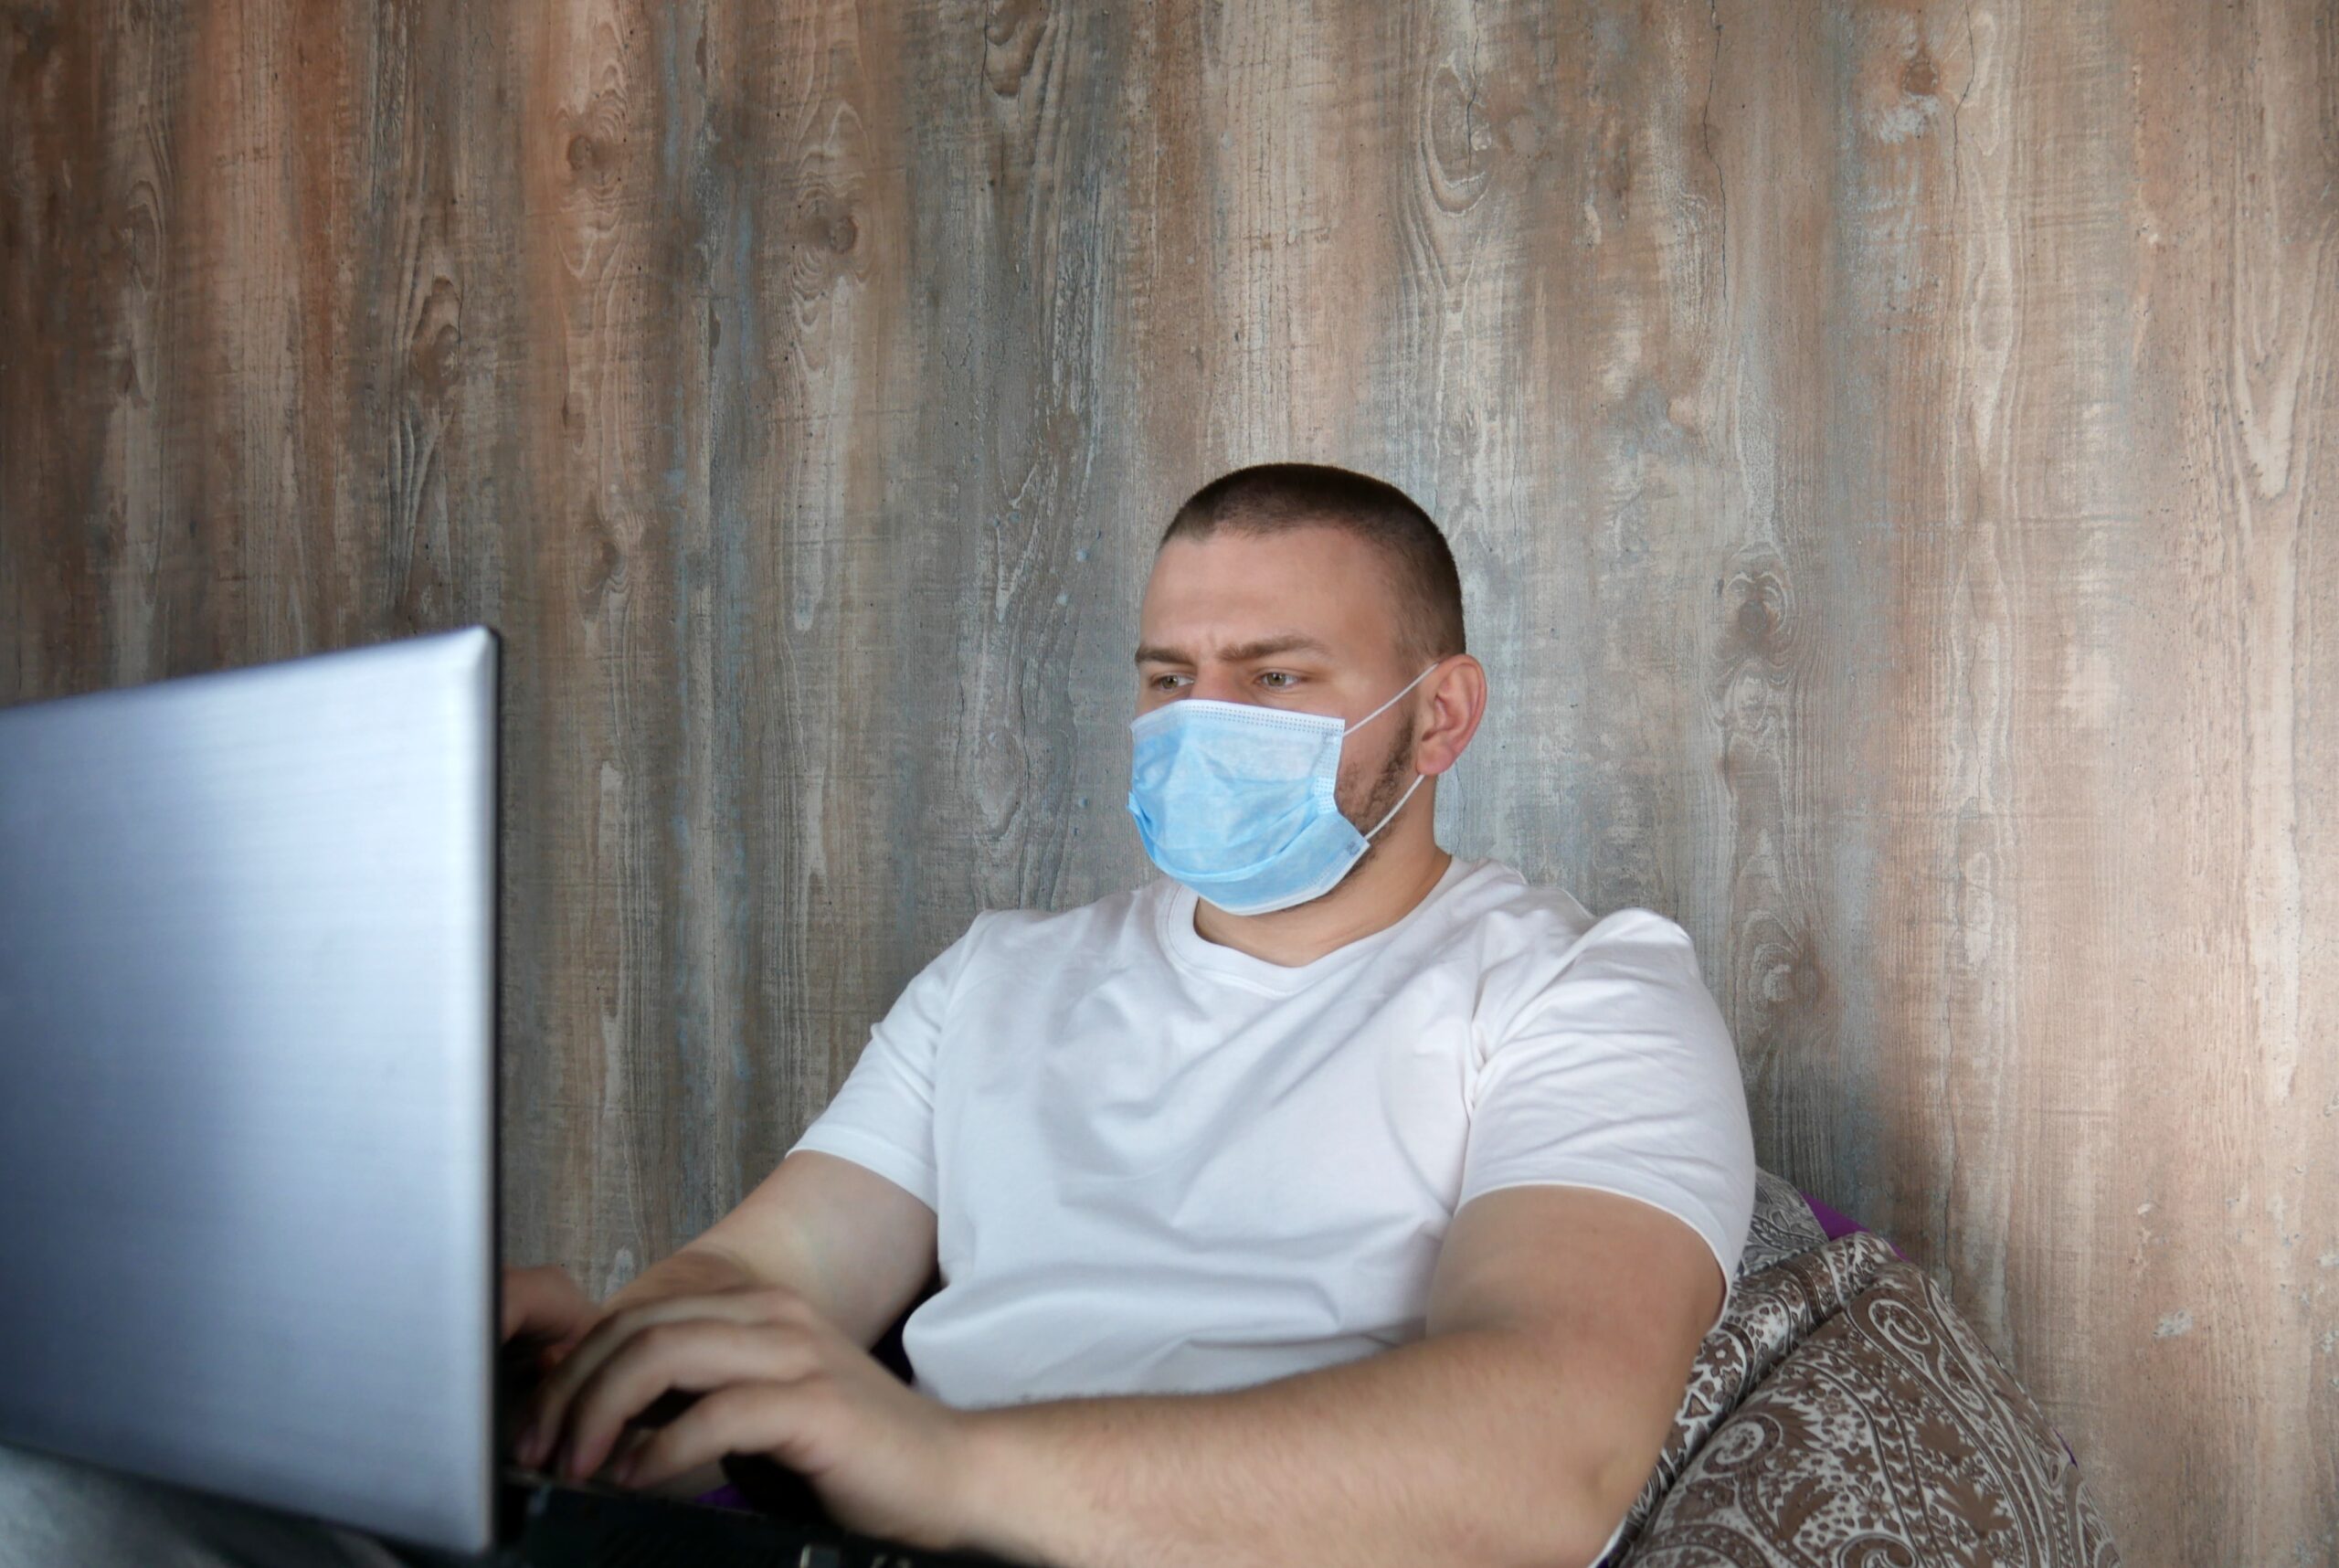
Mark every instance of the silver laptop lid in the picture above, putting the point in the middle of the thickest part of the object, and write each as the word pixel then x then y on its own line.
pixel 247 1082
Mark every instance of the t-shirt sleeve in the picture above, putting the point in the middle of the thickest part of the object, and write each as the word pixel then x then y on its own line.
pixel 1616 1070
pixel 881 1115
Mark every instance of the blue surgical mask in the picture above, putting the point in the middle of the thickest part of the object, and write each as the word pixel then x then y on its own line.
pixel 1236 802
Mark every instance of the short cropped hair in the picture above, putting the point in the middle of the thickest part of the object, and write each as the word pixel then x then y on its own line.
pixel 1275 497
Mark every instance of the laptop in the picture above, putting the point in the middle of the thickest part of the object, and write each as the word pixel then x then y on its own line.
pixel 248 1112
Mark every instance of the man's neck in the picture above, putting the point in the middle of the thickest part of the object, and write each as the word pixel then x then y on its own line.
pixel 1382 889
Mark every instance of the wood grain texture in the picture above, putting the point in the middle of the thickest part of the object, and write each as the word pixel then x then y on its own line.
pixel 1887 448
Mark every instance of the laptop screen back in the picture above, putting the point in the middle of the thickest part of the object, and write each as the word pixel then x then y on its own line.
pixel 247 1082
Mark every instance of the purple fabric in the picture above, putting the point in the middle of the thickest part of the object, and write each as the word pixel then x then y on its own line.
pixel 727 1496
pixel 1833 1224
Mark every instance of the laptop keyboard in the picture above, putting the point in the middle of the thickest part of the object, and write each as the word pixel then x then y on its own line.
pixel 558 1523
pixel 584 1525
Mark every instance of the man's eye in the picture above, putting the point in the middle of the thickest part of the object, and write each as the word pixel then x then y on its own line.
pixel 1165 683
pixel 1280 680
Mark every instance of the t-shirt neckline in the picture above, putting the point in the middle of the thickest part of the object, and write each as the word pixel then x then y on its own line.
pixel 1189 949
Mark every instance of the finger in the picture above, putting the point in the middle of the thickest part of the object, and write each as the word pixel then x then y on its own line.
pixel 631 1441
pixel 547 1407
pixel 688 1357
pixel 693 1355
pixel 565 1367
pixel 546 1412
pixel 535 1301
pixel 555 1351
pixel 740 1418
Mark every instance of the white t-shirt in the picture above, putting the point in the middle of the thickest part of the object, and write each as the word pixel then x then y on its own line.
pixel 1161 1165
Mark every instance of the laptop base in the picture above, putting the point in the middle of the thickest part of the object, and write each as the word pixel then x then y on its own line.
pixel 566 1525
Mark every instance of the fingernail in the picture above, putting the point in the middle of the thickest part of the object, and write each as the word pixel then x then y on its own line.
pixel 532 1446
pixel 623 1474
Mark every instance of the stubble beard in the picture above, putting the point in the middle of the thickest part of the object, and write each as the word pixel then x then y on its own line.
pixel 1396 775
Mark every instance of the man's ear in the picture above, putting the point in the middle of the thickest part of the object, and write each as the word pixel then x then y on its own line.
pixel 1455 700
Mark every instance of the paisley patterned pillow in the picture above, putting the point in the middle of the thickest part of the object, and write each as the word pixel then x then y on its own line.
pixel 1844 1412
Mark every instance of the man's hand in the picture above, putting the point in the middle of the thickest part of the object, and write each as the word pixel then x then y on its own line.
pixel 548 1304
pixel 774 1377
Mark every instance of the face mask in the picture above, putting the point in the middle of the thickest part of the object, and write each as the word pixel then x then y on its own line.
pixel 1235 801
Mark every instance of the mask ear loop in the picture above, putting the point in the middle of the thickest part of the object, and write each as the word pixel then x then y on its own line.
pixel 1399 806
pixel 1368 719
pixel 1385 706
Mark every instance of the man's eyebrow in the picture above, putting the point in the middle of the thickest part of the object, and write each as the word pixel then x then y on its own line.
pixel 1240 653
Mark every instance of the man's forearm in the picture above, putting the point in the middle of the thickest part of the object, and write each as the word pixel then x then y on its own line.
pixel 1452 1450
pixel 696 1269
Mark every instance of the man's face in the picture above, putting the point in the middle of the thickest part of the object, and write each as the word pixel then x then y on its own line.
pixel 1303 620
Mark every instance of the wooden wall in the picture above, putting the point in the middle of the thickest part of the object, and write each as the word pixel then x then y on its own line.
pixel 1882 443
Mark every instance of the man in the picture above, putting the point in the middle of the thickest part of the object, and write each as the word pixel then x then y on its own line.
pixel 1327 1198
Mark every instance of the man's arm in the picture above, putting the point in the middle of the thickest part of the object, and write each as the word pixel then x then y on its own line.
pixel 1562 1325
pixel 852 1244
pixel 855 1245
